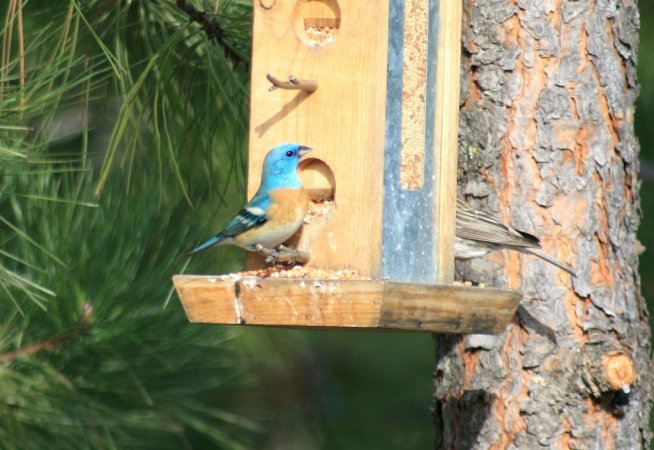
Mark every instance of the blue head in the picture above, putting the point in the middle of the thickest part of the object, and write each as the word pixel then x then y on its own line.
pixel 280 166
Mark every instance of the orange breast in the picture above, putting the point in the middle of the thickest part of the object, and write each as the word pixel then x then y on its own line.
pixel 284 217
pixel 288 205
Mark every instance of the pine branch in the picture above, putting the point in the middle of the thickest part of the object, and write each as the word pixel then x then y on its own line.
pixel 49 345
pixel 213 30
pixel 67 337
pixel 116 366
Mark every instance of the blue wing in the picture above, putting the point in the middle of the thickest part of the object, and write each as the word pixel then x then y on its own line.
pixel 245 220
pixel 251 216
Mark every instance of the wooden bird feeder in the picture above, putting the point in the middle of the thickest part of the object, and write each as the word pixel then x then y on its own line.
pixel 373 88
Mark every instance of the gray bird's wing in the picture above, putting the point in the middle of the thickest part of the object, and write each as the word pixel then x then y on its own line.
pixel 480 226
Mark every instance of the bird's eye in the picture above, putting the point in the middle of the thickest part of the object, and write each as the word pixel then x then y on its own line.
pixel 289 153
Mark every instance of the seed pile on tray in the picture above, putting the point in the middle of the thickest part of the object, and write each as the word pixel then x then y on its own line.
pixel 303 272
pixel 469 284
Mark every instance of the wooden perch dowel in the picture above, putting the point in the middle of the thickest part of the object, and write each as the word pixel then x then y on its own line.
pixel 352 304
pixel 292 84
pixel 283 254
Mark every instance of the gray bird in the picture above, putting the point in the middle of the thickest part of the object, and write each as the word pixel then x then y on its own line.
pixel 479 233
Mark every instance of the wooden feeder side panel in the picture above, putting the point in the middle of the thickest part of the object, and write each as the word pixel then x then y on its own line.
pixel 199 294
pixel 312 303
pixel 447 138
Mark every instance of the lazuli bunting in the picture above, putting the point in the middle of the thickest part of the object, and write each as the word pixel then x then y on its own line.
pixel 275 212
pixel 479 233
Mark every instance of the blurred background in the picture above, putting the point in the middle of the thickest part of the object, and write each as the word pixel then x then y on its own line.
pixel 123 133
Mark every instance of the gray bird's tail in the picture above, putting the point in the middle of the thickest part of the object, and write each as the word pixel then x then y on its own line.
pixel 550 259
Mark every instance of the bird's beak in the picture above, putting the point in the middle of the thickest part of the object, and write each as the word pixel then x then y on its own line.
pixel 303 150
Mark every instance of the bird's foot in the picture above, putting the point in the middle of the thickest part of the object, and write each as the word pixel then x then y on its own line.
pixel 283 254
pixel 270 254
pixel 291 255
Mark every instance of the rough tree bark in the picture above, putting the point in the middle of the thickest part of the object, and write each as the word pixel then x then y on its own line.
pixel 547 142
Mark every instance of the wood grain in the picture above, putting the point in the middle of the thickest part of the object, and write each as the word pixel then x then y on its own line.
pixel 447 309
pixel 363 304
pixel 447 128
pixel 200 294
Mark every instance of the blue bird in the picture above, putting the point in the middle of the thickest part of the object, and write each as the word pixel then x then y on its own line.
pixel 277 209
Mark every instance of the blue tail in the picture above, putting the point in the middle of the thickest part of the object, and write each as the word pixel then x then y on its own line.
pixel 205 245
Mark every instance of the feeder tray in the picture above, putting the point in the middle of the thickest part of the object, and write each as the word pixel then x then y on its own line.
pixel 354 304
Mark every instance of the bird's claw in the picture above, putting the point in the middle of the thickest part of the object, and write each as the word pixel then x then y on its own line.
pixel 291 255
pixel 270 253
pixel 272 257
pixel 288 252
pixel 282 254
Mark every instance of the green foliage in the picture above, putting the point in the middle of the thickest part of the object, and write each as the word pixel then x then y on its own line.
pixel 122 132
pixel 645 131
pixel 117 120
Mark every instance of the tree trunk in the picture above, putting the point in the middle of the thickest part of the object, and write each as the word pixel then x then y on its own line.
pixel 547 143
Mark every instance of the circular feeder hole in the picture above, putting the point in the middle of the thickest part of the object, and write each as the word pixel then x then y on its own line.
pixel 317 179
pixel 317 21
